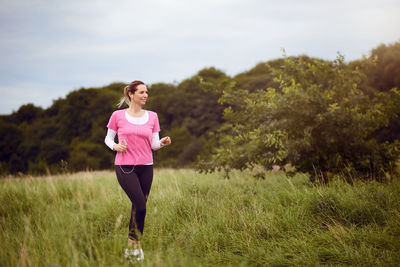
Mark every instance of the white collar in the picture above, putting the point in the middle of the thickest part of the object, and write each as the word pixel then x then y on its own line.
pixel 137 120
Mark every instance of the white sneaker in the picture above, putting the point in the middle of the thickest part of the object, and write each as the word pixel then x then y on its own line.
pixel 140 257
pixel 132 254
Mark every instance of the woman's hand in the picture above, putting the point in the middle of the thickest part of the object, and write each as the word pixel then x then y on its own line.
pixel 165 141
pixel 121 147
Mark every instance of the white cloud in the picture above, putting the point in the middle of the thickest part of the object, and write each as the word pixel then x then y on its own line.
pixel 63 45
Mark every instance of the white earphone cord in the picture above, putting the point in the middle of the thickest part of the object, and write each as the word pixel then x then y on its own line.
pixel 133 168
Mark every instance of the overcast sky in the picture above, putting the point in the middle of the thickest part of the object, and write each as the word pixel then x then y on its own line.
pixel 51 47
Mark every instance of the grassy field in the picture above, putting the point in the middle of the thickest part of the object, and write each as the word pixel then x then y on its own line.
pixel 200 220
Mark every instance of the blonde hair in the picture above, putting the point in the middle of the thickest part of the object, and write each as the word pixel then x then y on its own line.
pixel 132 87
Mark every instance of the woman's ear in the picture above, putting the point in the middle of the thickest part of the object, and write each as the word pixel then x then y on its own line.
pixel 130 95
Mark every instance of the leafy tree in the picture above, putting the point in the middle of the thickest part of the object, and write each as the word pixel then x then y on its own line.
pixel 38 167
pixel 385 75
pixel 259 77
pixel 162 99
pixel 27 113
pixel 52 151
pixel 196 104
pixel 187 112
pixel 75 116
pixel 86 155
pixel 190 109
pixel 35 134
pixel 11 137
pixel 181 137
pixel 317 120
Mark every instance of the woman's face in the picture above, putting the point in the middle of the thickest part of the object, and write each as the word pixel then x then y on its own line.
pixel 140 95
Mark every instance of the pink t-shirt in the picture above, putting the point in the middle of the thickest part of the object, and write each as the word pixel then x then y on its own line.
pixel 138 137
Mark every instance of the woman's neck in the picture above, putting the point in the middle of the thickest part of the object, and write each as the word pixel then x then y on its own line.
pixel 135 110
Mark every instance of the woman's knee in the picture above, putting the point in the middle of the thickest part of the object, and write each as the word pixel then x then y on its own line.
pixel 139 207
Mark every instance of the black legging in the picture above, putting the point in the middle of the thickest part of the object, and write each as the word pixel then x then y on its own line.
pixel 136 184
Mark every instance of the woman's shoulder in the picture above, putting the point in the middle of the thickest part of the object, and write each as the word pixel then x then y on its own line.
pixel 117 115
pixel 118 112
pixel 152 113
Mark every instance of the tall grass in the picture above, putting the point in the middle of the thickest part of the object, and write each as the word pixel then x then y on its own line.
pixel 200 220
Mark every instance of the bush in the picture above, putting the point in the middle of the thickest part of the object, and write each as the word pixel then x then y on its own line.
pixel 317 120
pixel 86 155
pixel 38 168
pixel 171 156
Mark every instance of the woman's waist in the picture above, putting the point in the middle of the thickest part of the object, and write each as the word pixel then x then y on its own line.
pixel 131 165
pixel 127 158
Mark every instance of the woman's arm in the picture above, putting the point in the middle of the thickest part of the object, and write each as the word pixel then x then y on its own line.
pixel 109 140
pixel 110 137
pixel 156 143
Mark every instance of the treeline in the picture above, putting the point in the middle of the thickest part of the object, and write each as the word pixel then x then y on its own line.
pixel 69 135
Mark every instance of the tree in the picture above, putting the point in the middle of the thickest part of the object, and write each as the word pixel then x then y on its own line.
pixel 187 112
pixel 181 139
pixel 259 77
pixel 385 75
pixel 86 155
pixel 27 113
pixel 318 120
pixel 11 137
pixel 52 151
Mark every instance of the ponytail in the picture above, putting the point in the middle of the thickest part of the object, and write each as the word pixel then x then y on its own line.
pixel 125 99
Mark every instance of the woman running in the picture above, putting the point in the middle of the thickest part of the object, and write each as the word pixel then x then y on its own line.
pixel 138 134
